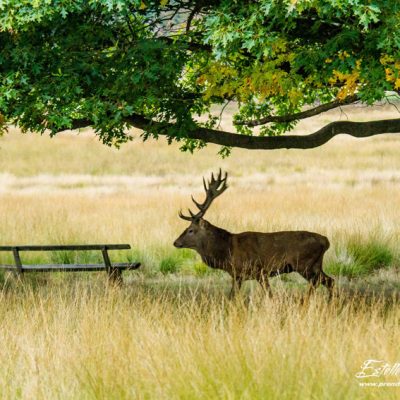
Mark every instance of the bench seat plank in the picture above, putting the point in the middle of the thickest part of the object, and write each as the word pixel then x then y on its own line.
pixel 69 267
pixel 68 247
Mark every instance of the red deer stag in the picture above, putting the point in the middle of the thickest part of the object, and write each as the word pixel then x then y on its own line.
pixel 253 255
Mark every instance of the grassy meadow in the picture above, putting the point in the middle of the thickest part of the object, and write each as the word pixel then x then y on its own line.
pixel 170 331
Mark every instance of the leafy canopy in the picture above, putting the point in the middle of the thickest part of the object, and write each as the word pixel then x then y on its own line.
pixel 159 65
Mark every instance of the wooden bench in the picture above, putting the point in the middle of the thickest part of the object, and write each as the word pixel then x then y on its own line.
pixel 114 270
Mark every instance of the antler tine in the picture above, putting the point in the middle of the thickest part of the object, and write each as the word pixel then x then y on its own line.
pixel 222 181
pixel 225 177
pixel 197 204
pixel 184 216
pixel 204 184
pixel 223 186
pixel 219 175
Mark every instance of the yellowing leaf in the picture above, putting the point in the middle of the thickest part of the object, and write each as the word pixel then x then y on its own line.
pixel 386 59
pixel 389 75
pixel 343 55
pixel 350 82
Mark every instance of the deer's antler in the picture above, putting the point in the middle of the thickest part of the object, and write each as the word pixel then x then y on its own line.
pixel 216 186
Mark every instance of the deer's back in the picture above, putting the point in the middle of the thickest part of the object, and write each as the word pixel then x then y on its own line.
pixel 276 249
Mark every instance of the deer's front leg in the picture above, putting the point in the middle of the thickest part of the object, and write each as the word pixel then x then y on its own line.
pixel 236 285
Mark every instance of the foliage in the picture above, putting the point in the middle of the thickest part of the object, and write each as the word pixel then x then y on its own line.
pixel 159 65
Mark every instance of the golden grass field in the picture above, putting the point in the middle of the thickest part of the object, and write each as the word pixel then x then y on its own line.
pixel 175 335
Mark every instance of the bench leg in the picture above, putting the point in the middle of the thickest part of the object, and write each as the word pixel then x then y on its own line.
pixel 115 276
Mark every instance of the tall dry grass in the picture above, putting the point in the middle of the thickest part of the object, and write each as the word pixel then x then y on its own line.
pixel 87 341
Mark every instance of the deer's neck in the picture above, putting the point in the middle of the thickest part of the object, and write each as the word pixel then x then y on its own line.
pixel 216 249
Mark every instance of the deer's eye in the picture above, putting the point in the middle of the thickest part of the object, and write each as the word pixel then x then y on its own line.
pixel 190 231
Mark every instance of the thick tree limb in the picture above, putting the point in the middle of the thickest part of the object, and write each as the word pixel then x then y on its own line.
pixel 355 129
pixel 301 115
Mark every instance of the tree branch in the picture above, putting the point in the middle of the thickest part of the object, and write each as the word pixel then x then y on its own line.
pixel 192 14
pixel 301 115
pixel 355 129
pixel 193 46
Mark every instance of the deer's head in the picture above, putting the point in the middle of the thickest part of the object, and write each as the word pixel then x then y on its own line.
pixel 198 231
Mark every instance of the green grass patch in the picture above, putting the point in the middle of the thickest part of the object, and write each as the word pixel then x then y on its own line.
pixel 173 261
pixel 63 257
pixel 170 265
pixel 200 269
pixel 361 258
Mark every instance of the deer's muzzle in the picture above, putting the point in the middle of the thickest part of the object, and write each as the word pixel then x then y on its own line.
pixel 178 244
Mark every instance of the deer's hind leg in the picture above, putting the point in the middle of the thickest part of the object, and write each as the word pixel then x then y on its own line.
pixel 326 280
pixel 236 285
pixel 316 276
pixel 262 278
pixel 321 277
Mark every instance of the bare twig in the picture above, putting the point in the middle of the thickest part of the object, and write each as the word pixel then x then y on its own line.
pixel 220 114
